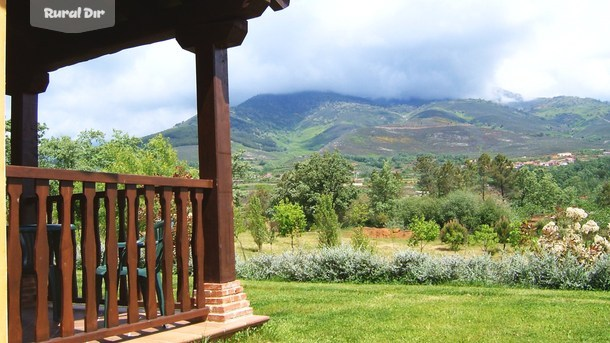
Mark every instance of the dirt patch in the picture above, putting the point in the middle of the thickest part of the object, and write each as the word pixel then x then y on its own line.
pixel 373 232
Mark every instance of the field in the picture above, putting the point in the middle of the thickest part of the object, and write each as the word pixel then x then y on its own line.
pixel 386 246
pixel 309 312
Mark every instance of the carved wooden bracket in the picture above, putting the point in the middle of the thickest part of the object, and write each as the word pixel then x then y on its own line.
pixel 222 35
pixel 278 5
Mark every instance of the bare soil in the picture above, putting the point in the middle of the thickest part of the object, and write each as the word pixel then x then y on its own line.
pixel 373 232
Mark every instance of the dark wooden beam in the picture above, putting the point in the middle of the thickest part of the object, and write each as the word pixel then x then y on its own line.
pixel 222 35
pixel 278 5
pixel 215 161
pixel 24 147
pixel 136 24
pixel 24 129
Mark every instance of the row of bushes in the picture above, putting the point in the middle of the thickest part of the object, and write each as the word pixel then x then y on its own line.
pixel 344 264
pixel 467 207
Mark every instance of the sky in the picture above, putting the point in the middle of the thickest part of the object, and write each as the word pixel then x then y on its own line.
pixel 427 49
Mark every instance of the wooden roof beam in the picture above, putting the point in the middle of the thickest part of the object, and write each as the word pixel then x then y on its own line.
pixel 134 28
pixel 278 5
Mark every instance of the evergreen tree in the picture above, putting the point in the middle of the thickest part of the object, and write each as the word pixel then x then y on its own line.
pixel 425 168
pixel 384 188
pixel 483 168
pixel 501 171
pixel 447 179
pixel 326 222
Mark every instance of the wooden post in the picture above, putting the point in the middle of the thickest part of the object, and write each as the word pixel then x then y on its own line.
pixel 215 162
pixel 3 266
pixel 24 129
pixel 209 43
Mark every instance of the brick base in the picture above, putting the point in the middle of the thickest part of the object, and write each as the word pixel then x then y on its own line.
pixel 226 301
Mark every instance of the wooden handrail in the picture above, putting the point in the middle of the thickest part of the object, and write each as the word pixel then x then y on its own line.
pixel 85 176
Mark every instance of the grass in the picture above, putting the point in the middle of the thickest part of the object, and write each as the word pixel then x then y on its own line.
pixel 308 312
pixel 383 246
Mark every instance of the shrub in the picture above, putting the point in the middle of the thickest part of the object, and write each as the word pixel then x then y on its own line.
pixel 417 268
pixel 492 210
pixel 462 206
pixel 360 241
pixel 344 264
pixel 454 234
pixel 599 277
pixel 568 237
pixel 410 208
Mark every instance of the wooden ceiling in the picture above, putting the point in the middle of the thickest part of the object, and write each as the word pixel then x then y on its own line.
pixel 33 52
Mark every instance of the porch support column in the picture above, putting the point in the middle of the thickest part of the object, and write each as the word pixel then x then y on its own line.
pixel 3 233
pixel 24 142
pixel 210 42
pixel 24 129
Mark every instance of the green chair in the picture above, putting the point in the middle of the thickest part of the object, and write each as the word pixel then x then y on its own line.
pixel 142 273
pixel 102 270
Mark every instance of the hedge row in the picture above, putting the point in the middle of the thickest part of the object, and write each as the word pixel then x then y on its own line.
pixel 344 264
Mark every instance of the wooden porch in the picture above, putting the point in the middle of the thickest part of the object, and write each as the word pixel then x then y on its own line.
pixel 105 220
pixel 119 253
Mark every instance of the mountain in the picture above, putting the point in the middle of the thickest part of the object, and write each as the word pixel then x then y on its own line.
pixel 285 126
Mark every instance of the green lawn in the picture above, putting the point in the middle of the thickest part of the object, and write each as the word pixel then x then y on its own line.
pixel 309 312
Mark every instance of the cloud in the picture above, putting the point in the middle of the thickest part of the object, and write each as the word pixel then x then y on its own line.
pixel 140 90
pixel 394 49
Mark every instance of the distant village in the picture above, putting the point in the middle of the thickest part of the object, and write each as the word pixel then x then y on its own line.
pixel 561 159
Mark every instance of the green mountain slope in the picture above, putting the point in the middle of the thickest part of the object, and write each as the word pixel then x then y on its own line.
pixel 287 126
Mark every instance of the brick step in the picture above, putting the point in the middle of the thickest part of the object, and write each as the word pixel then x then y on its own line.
pixel 226 299
pixel 217 286
pixel 216 293
pixel 225 308
pixel 223 317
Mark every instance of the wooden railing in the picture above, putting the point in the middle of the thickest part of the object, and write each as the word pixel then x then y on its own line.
pixel 102 219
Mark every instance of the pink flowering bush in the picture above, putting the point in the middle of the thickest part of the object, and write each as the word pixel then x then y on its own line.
pixel 567 236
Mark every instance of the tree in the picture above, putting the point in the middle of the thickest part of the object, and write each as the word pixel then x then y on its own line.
pixel 239 226
pixel 537 192
pixel 486 236
pixel 425 168
pixel 447 179
pixel 501 171
pixel 603 196
pixel 255 221
pixel 483 169
pixel 423 232
pixel 326 222
pixel 241 170
pixel 358 211
pixel 470 175
pixel 122 154
pixel 82 153
pixel 503 228
pixel 385 187
pixel 326 173
pixel 290 220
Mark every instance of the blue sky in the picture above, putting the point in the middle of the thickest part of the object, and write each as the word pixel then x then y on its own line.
pixel 394 48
